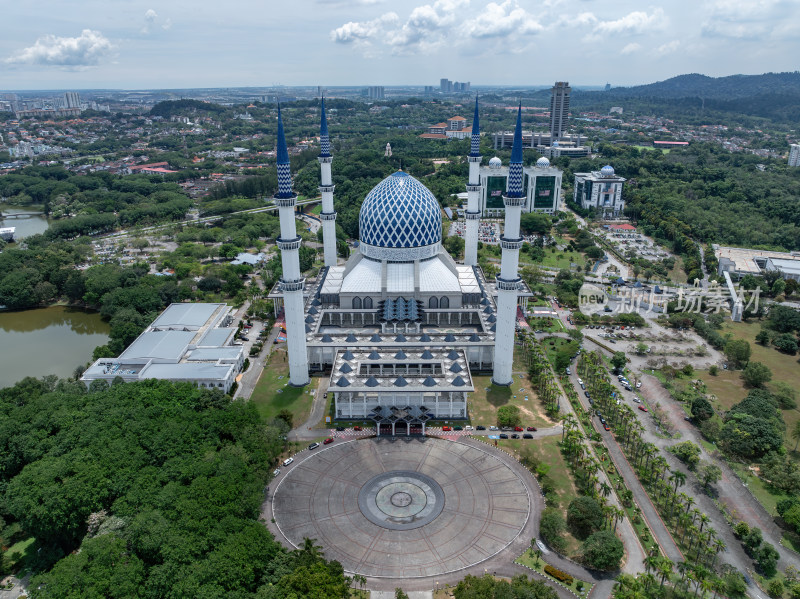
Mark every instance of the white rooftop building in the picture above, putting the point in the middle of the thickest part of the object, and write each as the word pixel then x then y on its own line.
pixel 186 343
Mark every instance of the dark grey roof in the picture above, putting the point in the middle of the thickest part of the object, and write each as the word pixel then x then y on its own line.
pixel 313 310
pixel 484 302
pixel 401 355
pixel 342 382
pixel 327 339
pixel 372 382
pixel 348 355
pixel 429 382
pixel 493 328
pixel 424 337
pixel 492 318
pixel 375 338
pixel 345 368
pixel 316 302
pixel 400 339
pixel 450 337
pixel 456 368
pixel 458 382
pixel 308 329
pixel 351 338
pixel 453 355
pixel 374 355
pixel 474 337
pixel 487 310
pixel 309 319
pixel 427 355
pixel 400 382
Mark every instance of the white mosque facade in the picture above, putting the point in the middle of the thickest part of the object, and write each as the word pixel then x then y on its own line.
pixel 401 327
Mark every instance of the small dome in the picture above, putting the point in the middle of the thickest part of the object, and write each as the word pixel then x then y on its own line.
pixel 543 163
pixel 555 144
pixel 495 162
pixel 399 213
pixel 607 171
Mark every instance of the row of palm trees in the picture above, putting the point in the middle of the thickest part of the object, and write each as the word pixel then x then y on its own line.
pixel 659 570
pixel 689 526
pixel 542 378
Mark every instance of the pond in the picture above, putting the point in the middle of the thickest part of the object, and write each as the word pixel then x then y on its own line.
pixel 47 341
pixel 26 220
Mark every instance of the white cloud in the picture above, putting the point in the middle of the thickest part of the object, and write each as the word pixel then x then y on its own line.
pixel 427 26
pixel 350 2
pixel 88 49
pixel 150 16
pixel 750 19
pixel 503 19
pixel 634 22
pixel 631 48
pixel 364 31
pixel 668 48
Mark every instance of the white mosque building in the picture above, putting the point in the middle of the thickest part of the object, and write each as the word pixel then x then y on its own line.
pixel 401 327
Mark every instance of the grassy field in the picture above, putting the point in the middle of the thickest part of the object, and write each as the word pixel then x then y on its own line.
pixel 273 393
pixel 677 274
pixel 483 404
pixel 16 555
pixel 563 259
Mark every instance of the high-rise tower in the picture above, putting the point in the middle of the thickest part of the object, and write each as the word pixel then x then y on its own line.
pixel 473 213
pixel 328 216
pixel 508 282
pixel 559 109
pixel 292 281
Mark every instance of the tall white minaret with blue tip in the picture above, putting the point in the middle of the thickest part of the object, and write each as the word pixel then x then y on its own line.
pixel 508 283
pixel 473 213
pixel 328 215
pixel 292 281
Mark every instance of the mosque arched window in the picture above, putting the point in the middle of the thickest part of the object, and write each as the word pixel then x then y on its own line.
pixel 368 303
pixel 444 302
pixel 433 302
pixel 356 303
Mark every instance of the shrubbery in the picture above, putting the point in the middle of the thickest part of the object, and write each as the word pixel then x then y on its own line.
pixel 558 574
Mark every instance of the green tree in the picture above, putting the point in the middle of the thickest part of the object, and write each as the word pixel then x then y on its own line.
pixel 618 360
pixel 767 558
pixel 756 374
pixel 702 409
pixel 687 452
pixel 763 337
pixel 551 527
pixel 784 394
pixel 508 415
pixel 400 594
pixel 738 352
pixel 786 343
pixel 775 588
pixel 585 516
pixel 709 473
pixel 603 550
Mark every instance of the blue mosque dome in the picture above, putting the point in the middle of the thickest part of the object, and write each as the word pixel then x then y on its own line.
pixel 607 171
pixel 400 219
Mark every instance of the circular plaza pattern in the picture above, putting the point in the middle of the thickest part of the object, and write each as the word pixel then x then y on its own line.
pixel 403 508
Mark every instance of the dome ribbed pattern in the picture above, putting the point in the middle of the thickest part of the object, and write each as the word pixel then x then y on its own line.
pixel 400 212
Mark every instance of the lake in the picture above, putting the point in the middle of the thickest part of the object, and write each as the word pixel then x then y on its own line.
pixel 27 222
pixel 47 341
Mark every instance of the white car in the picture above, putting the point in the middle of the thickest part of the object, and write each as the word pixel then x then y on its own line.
pixel 287 461
pixel 276 472
pixel 580 381
pixel 493 428
pixel 639 385
pixel 468 428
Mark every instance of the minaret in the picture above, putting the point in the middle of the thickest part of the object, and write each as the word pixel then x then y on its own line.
pixel 292 281
pixel 508 283
pixel 473 213
pixel 327 215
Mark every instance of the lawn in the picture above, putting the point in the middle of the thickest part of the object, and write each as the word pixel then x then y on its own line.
pixel 768 497
pixel 273 393
pixel 677 274
pixel 16 555
pixel 563 259
pixel 487 398
pixel 529 559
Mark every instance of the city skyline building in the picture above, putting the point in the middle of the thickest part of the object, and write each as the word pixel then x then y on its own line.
pixel 794 155
pixel 559 109
pixel 600 190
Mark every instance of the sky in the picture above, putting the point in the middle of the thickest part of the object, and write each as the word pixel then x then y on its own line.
pixel 141 44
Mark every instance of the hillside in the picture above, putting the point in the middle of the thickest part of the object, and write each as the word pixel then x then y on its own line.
pixel 721 88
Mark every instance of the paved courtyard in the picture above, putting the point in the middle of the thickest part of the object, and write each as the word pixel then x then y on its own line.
pixel 402 508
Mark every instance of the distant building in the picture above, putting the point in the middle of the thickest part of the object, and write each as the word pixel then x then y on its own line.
pixel 789 268
pixel 739 262
pixel 375 92
pixel 447 87
pixel 187 343
pixel 600 190
pixel 670 144
pixel 428 90
pixel 570 150
pixel 615 110
pixel 531 139
pixel 794 155
pixel 541 186
pixel 454 128
pixel 559 109
pixel 72 100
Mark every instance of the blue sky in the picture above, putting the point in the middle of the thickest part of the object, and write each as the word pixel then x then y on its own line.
pixel 53 44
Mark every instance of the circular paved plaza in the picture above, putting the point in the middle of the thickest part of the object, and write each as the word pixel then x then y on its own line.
pixel 402 508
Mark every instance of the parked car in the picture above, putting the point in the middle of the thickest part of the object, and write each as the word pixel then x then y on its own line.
pixel 642 408
pixel 587 394
pixel 569 371
pixel 515 436
pixel 276 472
pixel 340 428
pixel 531 428
pixel 458 428
pixel 583 386
pixel 639 384
pixel 313 446
pixel 287 461
pixel 327 441
pixel 518 428
pixel 480 427
pixel 493 428
pixel 356 428
pixel 468 427
pixel 503 436
pixel 446 428
pixel 605 426
pixel 527 436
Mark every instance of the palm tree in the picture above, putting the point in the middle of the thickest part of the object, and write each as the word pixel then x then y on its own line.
pixel 719 545
pixel 310 548
pixel 679 478
pixel 664 568
pixel 703 521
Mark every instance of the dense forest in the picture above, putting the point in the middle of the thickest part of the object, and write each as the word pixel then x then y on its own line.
pixel 146 490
